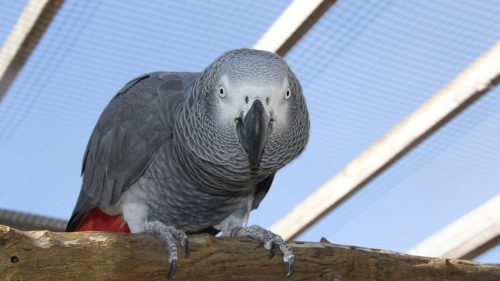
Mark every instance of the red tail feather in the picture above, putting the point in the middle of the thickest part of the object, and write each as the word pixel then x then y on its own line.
pixel 97 220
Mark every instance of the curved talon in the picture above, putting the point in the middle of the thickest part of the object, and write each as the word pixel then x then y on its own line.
pixel 272 250
pixel 270 240
pixel 187 249
pixel 171 270
pixel 291 266
pixel 169 235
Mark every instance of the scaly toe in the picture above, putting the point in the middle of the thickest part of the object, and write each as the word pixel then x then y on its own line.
pixel 270 240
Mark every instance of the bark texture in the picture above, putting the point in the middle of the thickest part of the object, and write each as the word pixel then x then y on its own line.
pixel 45 255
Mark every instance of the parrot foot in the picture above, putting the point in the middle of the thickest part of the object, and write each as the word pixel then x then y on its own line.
pixel 270 241
pixel 168 235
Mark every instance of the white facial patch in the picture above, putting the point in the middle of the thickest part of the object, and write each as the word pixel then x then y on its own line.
pixel 241 94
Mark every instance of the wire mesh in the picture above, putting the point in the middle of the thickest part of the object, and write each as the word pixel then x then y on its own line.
pixel 89 51
pixel 364 66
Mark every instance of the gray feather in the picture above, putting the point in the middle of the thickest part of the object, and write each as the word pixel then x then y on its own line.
pixel 168 143
pixel 261 190
pixel 135 124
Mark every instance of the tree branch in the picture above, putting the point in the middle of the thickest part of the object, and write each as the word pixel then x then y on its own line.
pixel 45 255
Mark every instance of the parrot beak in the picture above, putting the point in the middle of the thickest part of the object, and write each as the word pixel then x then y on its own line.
pixel 253 131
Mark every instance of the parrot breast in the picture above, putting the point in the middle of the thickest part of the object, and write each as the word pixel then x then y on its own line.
pixel 97 220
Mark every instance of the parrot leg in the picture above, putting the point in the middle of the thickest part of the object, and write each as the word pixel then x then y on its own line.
pixel 270 241
pixel 168 235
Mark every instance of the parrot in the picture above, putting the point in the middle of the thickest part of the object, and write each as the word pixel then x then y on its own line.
pixel 178 153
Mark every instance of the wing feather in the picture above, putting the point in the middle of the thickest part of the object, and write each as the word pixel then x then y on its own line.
pixel 261 190
pixel 133 126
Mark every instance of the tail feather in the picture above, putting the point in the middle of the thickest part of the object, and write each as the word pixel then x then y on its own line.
pixel 97 220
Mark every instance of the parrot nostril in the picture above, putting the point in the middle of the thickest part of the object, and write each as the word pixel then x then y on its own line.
pixel 267 100
pixel 246 99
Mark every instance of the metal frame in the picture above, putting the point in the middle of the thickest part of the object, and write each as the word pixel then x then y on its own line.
pixel 295 21
pixel 467 237
pixel 24 36
pixel 468 86
pixel 25 221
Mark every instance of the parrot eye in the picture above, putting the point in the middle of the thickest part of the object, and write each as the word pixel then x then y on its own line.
pixel 288 93
pixel 222 92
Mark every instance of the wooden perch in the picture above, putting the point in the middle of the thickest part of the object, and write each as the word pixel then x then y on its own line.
pixel 45 255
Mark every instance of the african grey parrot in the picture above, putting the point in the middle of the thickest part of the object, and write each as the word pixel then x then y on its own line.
pixel 176 153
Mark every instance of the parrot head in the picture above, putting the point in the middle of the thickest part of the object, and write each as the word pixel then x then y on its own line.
pixel 254 107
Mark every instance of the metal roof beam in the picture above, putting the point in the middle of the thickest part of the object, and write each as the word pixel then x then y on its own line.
pixel 467 87
pixel 295 21
pixel 26 221
pixel 23 38
pixel 467 237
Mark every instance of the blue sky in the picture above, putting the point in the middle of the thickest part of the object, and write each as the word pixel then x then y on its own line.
pixel 364 66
